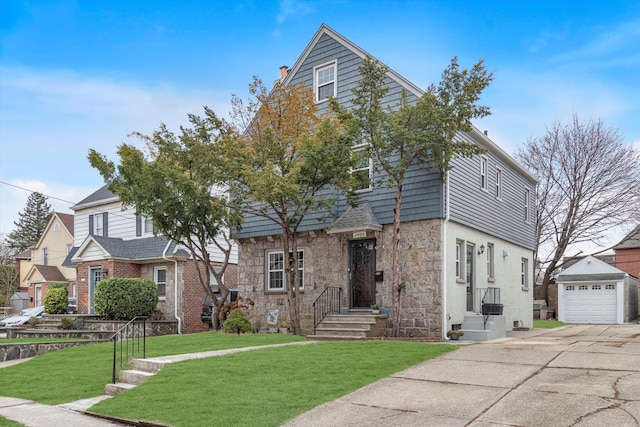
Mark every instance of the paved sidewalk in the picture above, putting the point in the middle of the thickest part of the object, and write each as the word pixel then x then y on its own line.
pixel 572 376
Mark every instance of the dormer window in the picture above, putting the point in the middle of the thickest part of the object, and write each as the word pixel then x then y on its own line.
pixel 324 81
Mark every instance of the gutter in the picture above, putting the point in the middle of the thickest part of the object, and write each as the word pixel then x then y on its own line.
pixel 175 287
pixel 443 273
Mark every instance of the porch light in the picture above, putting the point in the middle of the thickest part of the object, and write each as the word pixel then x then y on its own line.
pixel 481 250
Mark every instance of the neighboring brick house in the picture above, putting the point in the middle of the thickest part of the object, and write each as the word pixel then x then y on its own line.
pixel 111 241
pixel 628 253
pixel 45 263
pixel 474 231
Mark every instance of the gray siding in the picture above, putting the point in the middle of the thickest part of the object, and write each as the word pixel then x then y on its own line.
pixel 422 198
pixel 481 210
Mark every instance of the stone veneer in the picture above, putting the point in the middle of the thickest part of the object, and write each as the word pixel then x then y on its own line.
pixel 327 262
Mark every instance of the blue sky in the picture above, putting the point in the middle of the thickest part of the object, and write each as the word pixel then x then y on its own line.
pixel 84 74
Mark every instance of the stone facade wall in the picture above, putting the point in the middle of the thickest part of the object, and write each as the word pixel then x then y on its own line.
pixel 327 263
pixel 25 350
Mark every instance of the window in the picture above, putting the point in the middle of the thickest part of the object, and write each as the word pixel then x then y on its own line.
pixel 56 227
pixel 276 271
pixel 498 183
pixel 490 267
pixel 45 256
pixel 524 275
pixel 570 288
pixel 160 277
pixel 484 162
pixel 459 260
pixel 610 287
pixel 527 208
pixel 596 287
pixel 148 226
pixel 69 247
pixel 325 81
pixel 98 224
pixel 363 168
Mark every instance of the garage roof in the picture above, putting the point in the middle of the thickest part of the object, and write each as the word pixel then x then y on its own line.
pixel 591 269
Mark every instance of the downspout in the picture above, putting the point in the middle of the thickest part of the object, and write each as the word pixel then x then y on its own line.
pixel 175 287
pixel 443 239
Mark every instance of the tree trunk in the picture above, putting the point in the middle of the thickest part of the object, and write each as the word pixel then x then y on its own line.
pixel 396 290
pixel 290 249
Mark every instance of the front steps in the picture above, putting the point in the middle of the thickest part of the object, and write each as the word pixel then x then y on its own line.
pixel 142 370
pixel 352 326
pixel 475 329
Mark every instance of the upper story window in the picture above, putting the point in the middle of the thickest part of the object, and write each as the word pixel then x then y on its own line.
pixel 148 226
pixel 527 205
pixel 56 227
pixel 45 256
pixel 484 166
pixel 276 270
pixel 499 183
pixel 363 169
pixel 98 224
pixel 69 247
pixel 324 81
pixel 160 277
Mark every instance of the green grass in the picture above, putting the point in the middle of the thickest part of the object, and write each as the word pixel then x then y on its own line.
pixel 9 423
pixel 265 387
pixel 81 372
pixel 547 324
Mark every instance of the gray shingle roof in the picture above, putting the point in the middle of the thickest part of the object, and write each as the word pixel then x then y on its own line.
pixel 356 219
pixel 67 261
pixel 147 248
pixel 103 193
pixel 631 240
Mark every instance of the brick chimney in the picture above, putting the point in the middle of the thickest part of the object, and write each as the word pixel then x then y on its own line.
pixel 284 70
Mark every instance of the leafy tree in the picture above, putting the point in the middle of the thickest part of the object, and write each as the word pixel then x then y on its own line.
pixel 420 134
pixel 589 183
pixel 282 156
pixel 56 299
pixel 33 220
pixel 178 188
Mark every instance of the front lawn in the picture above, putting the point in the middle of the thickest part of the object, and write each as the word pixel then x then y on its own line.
pixel 547 324
pixel 264 387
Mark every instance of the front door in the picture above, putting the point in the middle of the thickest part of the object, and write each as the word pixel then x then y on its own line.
pixel 95 274
pixel 470 284
pixel 362 269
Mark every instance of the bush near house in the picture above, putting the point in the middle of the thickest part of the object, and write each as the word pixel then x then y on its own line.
pixel 121 298
pixel 237 322
pixel 56 299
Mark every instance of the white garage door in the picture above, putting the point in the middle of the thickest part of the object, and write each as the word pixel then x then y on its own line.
pixel 590 303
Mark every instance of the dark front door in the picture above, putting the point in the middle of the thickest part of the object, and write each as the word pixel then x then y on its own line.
pixel 470 276
pixel 362 269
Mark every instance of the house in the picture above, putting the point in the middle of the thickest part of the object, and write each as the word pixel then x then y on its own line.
pixel 113 241
pixel 23 264
pixel 628 253
pixel 463 240
pixel 592 291
pixel 45 263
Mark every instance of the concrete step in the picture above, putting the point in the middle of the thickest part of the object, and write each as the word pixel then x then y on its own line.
pixel 147 365
pixel 334 338
pixel 346 325
pixel 356 333
pixel 117 388
pixel 357 318
pixel 135 377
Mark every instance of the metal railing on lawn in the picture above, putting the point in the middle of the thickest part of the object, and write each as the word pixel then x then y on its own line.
pixel 327 302
pixel 128 342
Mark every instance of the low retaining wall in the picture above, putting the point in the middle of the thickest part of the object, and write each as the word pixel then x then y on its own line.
pixel 24 350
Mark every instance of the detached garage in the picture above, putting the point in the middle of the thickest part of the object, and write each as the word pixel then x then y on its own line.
pixel 592 291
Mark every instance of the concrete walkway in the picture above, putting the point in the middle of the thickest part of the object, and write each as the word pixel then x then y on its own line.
pixel 572 376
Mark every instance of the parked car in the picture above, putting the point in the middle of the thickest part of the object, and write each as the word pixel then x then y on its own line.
pixel 207 305
pixel 23 317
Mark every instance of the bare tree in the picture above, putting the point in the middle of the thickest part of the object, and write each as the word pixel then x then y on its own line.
pixel 589 183
pixel 8 274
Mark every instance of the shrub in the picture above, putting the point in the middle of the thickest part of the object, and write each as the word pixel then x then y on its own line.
pixel 121 298
pixel 56 299
pixel 237 322
pixel 66 323
pixel 33 321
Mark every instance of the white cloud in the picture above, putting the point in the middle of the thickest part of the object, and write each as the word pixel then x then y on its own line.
pixel 291 9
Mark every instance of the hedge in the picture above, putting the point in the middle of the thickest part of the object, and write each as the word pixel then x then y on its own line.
pixel 122 298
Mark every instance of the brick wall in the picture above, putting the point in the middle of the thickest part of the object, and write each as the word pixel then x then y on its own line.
pixel 629 260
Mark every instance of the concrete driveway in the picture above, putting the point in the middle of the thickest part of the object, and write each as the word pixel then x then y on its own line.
pixel 578 375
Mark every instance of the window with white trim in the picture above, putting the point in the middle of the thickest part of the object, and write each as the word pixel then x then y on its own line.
pixel 363 169
pixel 160 277
pixel 69 247
pixel 524 273
pixel 490 265
pixel 484 166
pixel 498 183
pixel 98 225
pixel 324 81
pixel 459 271
pixel 148 226
pixel 527 205
pixel 45 256
pixel 276 273
pixel 56 227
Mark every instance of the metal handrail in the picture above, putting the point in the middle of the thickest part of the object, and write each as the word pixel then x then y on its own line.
pixel 130 332
pixel 326 303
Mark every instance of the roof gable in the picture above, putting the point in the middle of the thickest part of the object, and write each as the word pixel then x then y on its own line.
pixel 591 267
pixel 101 195
pixel 45 273
pixel 630 241
pixel 156 247
pixel 61 218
